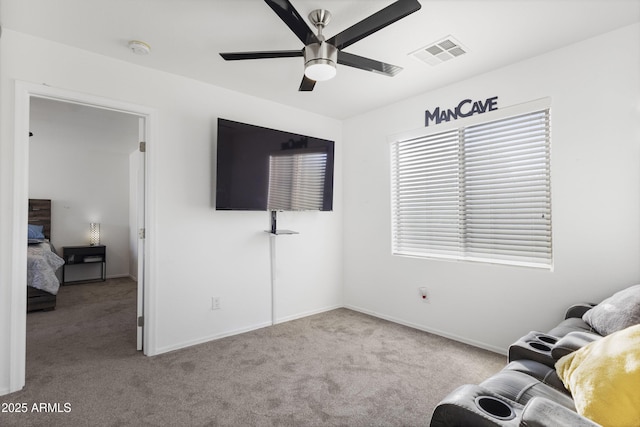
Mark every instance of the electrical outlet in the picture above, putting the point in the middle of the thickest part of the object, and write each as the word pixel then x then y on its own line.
pixel 215 303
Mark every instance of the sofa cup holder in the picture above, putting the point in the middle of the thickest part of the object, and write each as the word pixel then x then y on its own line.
pixel 548 339
pixel 540 342
pixel 539 346
pixel 495 408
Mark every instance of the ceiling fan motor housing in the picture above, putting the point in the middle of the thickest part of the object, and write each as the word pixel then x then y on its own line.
pixel 321 53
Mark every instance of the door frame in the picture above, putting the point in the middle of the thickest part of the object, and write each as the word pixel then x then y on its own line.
pixel 24 91
pixel 140 211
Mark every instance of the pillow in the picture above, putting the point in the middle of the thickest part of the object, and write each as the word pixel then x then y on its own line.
pixel 604 378
pixel 617 312
pixel 36 231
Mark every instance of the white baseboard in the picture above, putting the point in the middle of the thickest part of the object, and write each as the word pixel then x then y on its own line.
pixel 430 330
pixel 215 337
pixel 307 314
pixel 209 338
pixel 118 276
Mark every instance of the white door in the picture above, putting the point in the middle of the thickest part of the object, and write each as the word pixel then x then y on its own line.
pixel 141 228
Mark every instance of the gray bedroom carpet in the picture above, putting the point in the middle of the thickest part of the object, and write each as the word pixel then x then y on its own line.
pixel 339 368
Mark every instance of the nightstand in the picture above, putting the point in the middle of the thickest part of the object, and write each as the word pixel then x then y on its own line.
pixel 82 255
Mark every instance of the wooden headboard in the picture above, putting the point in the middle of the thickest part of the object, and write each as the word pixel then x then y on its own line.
pixel 40 214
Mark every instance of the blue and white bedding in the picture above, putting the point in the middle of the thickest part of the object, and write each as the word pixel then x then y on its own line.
pixel 42 264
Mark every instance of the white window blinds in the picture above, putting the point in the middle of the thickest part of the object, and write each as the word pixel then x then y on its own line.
pixel 296 181
pixel 480 192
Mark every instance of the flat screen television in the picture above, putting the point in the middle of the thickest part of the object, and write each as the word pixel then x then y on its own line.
pixel 262 169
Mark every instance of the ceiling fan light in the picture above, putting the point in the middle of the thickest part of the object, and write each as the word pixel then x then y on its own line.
pixel 320 61
pixel 320 70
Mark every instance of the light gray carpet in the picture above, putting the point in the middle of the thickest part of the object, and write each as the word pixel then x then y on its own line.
pixel 339 368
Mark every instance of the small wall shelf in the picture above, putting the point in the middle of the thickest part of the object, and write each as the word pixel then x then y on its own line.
pixel 274 226
pixel 280 232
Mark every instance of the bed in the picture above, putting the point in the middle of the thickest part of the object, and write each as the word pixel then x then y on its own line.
pixel 42 259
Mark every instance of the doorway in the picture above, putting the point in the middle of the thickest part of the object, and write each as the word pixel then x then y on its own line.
pixel 25 93
pixel 87 160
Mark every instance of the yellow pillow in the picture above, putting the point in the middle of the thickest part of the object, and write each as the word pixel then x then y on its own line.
pixel 604 378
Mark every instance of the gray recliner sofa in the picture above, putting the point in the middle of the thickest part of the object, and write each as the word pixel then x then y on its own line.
pixel 528 390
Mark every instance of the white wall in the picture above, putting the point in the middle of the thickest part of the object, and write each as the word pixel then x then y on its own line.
pixel 198 252
pixel 79 158
pixel 595 197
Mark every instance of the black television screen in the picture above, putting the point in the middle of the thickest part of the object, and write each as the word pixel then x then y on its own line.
pixel 262 169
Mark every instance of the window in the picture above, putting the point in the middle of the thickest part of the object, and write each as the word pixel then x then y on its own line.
pixel 480 192
pixel 296 181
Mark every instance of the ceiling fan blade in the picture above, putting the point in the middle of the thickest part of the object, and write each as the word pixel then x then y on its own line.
pixel 235 56
pixel 377 21
pixel 285 10
pixel 306 85
pixel 367 64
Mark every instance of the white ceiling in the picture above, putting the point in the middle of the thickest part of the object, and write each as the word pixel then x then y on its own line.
pixel 186 36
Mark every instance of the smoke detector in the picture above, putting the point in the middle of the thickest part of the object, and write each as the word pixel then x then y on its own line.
pixel 440 51
pixel 139 48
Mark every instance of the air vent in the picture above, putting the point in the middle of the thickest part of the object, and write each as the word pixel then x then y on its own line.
pixel 440 51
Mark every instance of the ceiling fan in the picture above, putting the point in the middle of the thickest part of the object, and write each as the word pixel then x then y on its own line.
pixel 321 55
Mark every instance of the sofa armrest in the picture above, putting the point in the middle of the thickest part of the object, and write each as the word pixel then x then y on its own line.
pixel 578 310
pixel 541 412
pixel 461 408
pixel 572 342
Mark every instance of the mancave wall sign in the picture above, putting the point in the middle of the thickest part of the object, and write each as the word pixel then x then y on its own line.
pixel 465 108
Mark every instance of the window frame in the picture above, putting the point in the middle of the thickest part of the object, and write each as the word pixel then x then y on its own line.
pixel 460 125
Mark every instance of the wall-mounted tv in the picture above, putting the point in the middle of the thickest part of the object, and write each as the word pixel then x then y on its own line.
pixel 262 169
